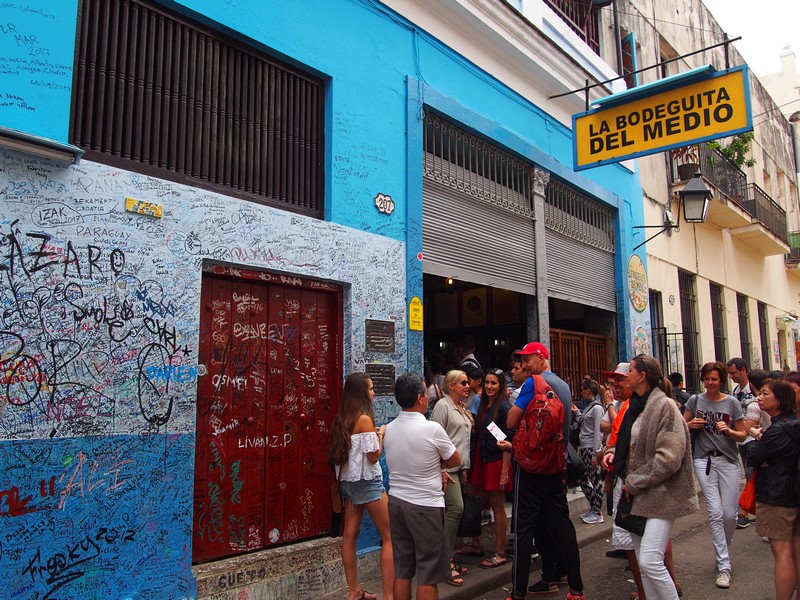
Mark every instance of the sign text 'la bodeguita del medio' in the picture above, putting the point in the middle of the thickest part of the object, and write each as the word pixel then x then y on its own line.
pixel 716 106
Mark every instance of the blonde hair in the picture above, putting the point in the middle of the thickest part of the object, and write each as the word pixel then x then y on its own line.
pixel 451 378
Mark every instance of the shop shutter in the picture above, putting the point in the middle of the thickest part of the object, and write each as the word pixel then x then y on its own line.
pixel 472 240
pixel 580 273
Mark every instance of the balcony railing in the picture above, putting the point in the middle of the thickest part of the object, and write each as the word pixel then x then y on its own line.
pixel 581 18
pixel 766 211
pixel 793 239
pixel 727 177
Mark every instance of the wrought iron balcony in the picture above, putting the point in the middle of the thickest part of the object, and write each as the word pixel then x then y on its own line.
pixel 793 258
pixel 732 181
pixel 766 211
pixel 581 18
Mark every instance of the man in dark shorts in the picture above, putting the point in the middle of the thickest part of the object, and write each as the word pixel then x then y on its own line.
pixel 416 452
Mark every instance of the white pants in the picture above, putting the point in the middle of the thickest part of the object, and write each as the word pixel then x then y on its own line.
pixel 721 490
pixel 650 549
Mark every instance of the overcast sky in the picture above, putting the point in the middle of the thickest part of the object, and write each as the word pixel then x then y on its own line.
pixel 766 26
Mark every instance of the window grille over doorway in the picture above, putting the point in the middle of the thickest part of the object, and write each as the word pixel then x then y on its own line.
pixel 744 329
pixel 686 283
pixel 473 166
pixel 717 325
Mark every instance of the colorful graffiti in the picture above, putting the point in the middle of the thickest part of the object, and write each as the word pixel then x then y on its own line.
pixel 99 334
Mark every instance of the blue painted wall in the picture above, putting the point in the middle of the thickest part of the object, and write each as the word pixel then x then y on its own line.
pixel 36 46
pixel 132 537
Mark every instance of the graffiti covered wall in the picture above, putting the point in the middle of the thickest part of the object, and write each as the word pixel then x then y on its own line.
pixel 99 318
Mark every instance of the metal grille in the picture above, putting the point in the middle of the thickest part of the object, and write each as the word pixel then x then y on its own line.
pixel 744 327
pixel 717 325
pixel 471 165
pixel 689 327
pixel 578 216
pixel 658 331
pixel 581 19
pixel 762 329
pixel 184 101
pixel 766 210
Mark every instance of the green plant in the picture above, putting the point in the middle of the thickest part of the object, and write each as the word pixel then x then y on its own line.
pixel 737 149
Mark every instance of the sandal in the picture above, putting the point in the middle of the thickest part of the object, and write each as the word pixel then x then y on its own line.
pixel 365 595
pixel 458 569
pixel 497 560
pixel 470 550
pixel 455 581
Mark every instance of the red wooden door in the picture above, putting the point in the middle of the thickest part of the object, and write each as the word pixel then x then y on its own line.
pixel 270 345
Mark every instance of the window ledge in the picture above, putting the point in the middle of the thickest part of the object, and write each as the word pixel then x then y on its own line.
pixel 19 141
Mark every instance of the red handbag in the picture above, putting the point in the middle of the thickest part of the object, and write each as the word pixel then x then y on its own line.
pixel 747 499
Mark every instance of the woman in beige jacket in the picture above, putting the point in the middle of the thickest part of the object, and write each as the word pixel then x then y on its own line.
pixel 653 456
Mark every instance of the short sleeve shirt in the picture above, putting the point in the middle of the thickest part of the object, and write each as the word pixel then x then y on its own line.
pixel 458 427
pixel 414 448
pixel 708 440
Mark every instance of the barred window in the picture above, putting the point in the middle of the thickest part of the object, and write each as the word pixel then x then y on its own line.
pixel 160 94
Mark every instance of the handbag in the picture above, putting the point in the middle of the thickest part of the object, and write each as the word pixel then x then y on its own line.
pixel 624 518
pixel 575 466
pixel 747 499
pixel 470 524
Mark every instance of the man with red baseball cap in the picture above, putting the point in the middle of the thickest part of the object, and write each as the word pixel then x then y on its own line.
pixel 540 501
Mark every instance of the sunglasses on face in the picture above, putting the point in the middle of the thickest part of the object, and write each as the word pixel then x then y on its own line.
pixel 465 382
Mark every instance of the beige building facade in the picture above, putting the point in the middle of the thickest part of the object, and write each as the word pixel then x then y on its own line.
pixel 724 288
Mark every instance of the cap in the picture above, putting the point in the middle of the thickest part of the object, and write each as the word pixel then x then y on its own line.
pixel 534 348
pixel 620 372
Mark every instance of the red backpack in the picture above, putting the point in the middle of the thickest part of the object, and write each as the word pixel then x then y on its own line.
pixel 539 441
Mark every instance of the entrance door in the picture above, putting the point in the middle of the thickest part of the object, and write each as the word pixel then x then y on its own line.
pixel 575 354
pixel 270 347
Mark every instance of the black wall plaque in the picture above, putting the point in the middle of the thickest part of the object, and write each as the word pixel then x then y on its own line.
pixel 380 335
pixel 382 378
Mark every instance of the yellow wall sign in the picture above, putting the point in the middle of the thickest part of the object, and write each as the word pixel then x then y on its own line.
pixel 415 314
pixel 670 115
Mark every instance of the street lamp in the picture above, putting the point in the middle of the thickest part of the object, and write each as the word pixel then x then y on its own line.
pixel 695 196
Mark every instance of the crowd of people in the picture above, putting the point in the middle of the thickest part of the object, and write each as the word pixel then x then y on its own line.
pixel 642 439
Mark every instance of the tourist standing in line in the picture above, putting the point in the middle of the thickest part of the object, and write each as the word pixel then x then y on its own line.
pixel 416 451
pixel 717 424
pixel 355 451
pixel 452 413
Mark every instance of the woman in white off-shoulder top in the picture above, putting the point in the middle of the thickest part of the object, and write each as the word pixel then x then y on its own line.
pixel 355 451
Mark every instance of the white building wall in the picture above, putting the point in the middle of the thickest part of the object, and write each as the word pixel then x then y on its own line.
pixel 714 251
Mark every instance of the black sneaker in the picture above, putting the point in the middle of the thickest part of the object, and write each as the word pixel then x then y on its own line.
pixel 542 588
pixel 742 522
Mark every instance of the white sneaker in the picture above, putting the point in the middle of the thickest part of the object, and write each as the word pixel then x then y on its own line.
pixel 587 514
pixel 723 579
pixel 593 518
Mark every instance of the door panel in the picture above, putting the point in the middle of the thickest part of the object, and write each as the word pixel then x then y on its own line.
pixel 264 411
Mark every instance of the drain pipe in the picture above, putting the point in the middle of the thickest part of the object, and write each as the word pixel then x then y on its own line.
pixel 794 119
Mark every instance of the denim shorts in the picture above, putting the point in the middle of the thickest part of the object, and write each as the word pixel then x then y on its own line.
pixel 362 491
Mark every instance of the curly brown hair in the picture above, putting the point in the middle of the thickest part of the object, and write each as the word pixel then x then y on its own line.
pixel 355 402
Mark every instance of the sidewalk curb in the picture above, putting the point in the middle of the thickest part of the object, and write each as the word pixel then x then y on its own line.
pixel 501 576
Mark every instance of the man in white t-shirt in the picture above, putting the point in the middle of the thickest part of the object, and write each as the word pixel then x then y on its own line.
pixel 416 451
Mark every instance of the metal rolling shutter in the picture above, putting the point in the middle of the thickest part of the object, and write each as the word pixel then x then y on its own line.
pixel 468 238
pixel 579 272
